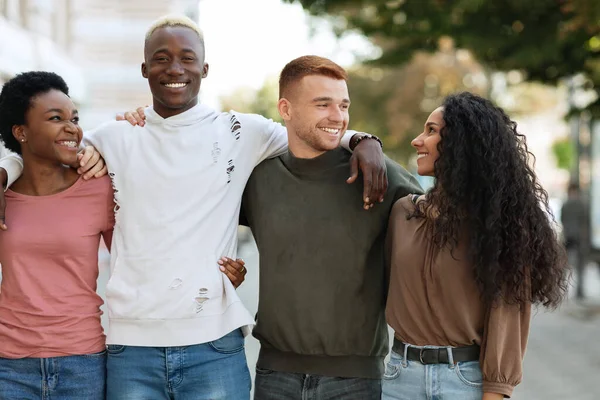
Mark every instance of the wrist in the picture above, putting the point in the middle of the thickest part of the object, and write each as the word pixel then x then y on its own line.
pixel 359 137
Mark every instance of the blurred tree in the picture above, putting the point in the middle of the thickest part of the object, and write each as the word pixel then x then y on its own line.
pixel 262 101
pixel 564 153
pixel 548 39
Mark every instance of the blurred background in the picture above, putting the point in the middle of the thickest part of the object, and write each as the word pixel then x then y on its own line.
pixel 540 60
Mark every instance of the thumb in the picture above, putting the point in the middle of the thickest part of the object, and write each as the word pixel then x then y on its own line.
pixel 2 210
pixel 353 170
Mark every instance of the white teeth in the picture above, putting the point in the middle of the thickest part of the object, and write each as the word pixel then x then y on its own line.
pixel 421 155
pixel 175 85
pixel 330 130
pixel 69 143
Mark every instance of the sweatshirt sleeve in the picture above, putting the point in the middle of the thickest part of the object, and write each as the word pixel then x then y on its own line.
pixel 401 183
pixel 12 164
pixel 503 347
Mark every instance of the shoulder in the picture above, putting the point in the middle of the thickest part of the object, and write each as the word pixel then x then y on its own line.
pixel 403 206
pixel 96 186
pixel 251 122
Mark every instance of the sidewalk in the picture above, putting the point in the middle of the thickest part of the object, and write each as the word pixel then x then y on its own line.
pixel 563 355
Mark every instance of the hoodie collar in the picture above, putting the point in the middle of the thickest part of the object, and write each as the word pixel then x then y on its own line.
pixel 190 117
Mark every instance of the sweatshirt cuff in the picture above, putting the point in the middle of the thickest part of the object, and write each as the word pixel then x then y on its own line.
pixel 345 142
pixel 505 389
pixel 13 167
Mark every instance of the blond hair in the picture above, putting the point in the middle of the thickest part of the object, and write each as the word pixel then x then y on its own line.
pixel 174 20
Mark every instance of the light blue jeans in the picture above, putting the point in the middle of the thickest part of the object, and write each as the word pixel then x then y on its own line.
pixel 411 380
pixel 55 378
pixel 210 371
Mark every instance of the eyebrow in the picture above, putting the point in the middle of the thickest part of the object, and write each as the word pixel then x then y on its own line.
pixel 318 99
pixel 432 123
pixel 58 110
pixel 166 50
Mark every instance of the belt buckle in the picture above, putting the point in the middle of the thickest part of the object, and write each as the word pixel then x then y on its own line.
pixel 421 355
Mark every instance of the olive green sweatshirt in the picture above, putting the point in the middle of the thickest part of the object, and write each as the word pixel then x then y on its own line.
pixel 322 271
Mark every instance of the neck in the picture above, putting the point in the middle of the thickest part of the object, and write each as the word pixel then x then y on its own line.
pixel 44 178
pixel 300 149
pixel 166 112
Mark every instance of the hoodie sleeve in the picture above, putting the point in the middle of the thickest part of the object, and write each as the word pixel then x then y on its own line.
pixel 11 163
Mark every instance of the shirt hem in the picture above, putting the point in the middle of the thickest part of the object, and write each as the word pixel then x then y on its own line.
pixel 178 332
pixel 350 366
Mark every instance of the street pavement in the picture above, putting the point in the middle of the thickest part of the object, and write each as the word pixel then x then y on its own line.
pixel 563 355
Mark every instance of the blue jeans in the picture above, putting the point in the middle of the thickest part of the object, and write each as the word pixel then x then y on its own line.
pixel 56 378
pixel 412 380
pixel 216 370
pixel 275 385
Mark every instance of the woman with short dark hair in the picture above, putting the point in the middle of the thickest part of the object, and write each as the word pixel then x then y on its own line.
pixel 52 344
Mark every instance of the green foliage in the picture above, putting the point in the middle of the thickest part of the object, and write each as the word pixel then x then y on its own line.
pixel 548 39
pixel 262 102
pixel 564 153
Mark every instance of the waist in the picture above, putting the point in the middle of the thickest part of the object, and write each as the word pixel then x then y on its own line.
pixel 436 355
pixel 347 366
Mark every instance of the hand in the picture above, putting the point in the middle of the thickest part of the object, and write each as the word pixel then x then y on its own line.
pixel 3 182
pixel 136 117
pixel 368 155
pixel 90 163
pixel 235 270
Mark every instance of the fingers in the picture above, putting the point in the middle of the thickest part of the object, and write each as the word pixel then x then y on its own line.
pixel 235 270
pixel 85 156
pixel 96 170
pixel 119 117
pixel 353 169
pixel 384 186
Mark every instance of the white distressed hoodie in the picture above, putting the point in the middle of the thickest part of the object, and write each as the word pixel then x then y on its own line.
pixel 178 188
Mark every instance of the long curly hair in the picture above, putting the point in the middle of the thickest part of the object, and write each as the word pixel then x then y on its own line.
pixel 486 189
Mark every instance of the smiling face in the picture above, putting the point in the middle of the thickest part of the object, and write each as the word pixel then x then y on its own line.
pixel 426 143
pixel 51 130
pixel 315 114
pixel 174 66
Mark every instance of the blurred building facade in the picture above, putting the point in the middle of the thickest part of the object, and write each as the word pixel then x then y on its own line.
pixel 107 38
pixel 36 35
pixel 95 45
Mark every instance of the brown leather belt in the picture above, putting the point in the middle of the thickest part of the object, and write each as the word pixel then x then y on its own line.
pixel 437 356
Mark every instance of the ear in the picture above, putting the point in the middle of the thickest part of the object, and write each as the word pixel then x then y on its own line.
pixel 285 108
pixel 18 132
pixel 204 70
pixel 144 70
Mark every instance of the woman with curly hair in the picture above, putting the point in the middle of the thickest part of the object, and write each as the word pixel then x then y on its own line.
pixel 469 259
pixel 52 344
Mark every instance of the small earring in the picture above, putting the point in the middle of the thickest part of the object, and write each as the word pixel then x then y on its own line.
pixel 22 140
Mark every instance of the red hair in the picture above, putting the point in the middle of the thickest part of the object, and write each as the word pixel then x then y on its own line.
pixel 303 66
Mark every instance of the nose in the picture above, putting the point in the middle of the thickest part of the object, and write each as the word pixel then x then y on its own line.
pixel 417 142
pixel 175 68
pixel 336 114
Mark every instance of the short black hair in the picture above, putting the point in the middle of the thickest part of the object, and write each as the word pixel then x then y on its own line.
pixel 16 97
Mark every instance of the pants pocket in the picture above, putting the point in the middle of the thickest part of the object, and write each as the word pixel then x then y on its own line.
pixel 231 343
pixel 393 366
pixel 469 373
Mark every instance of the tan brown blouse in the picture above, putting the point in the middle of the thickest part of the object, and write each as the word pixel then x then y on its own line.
pixel 434 300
